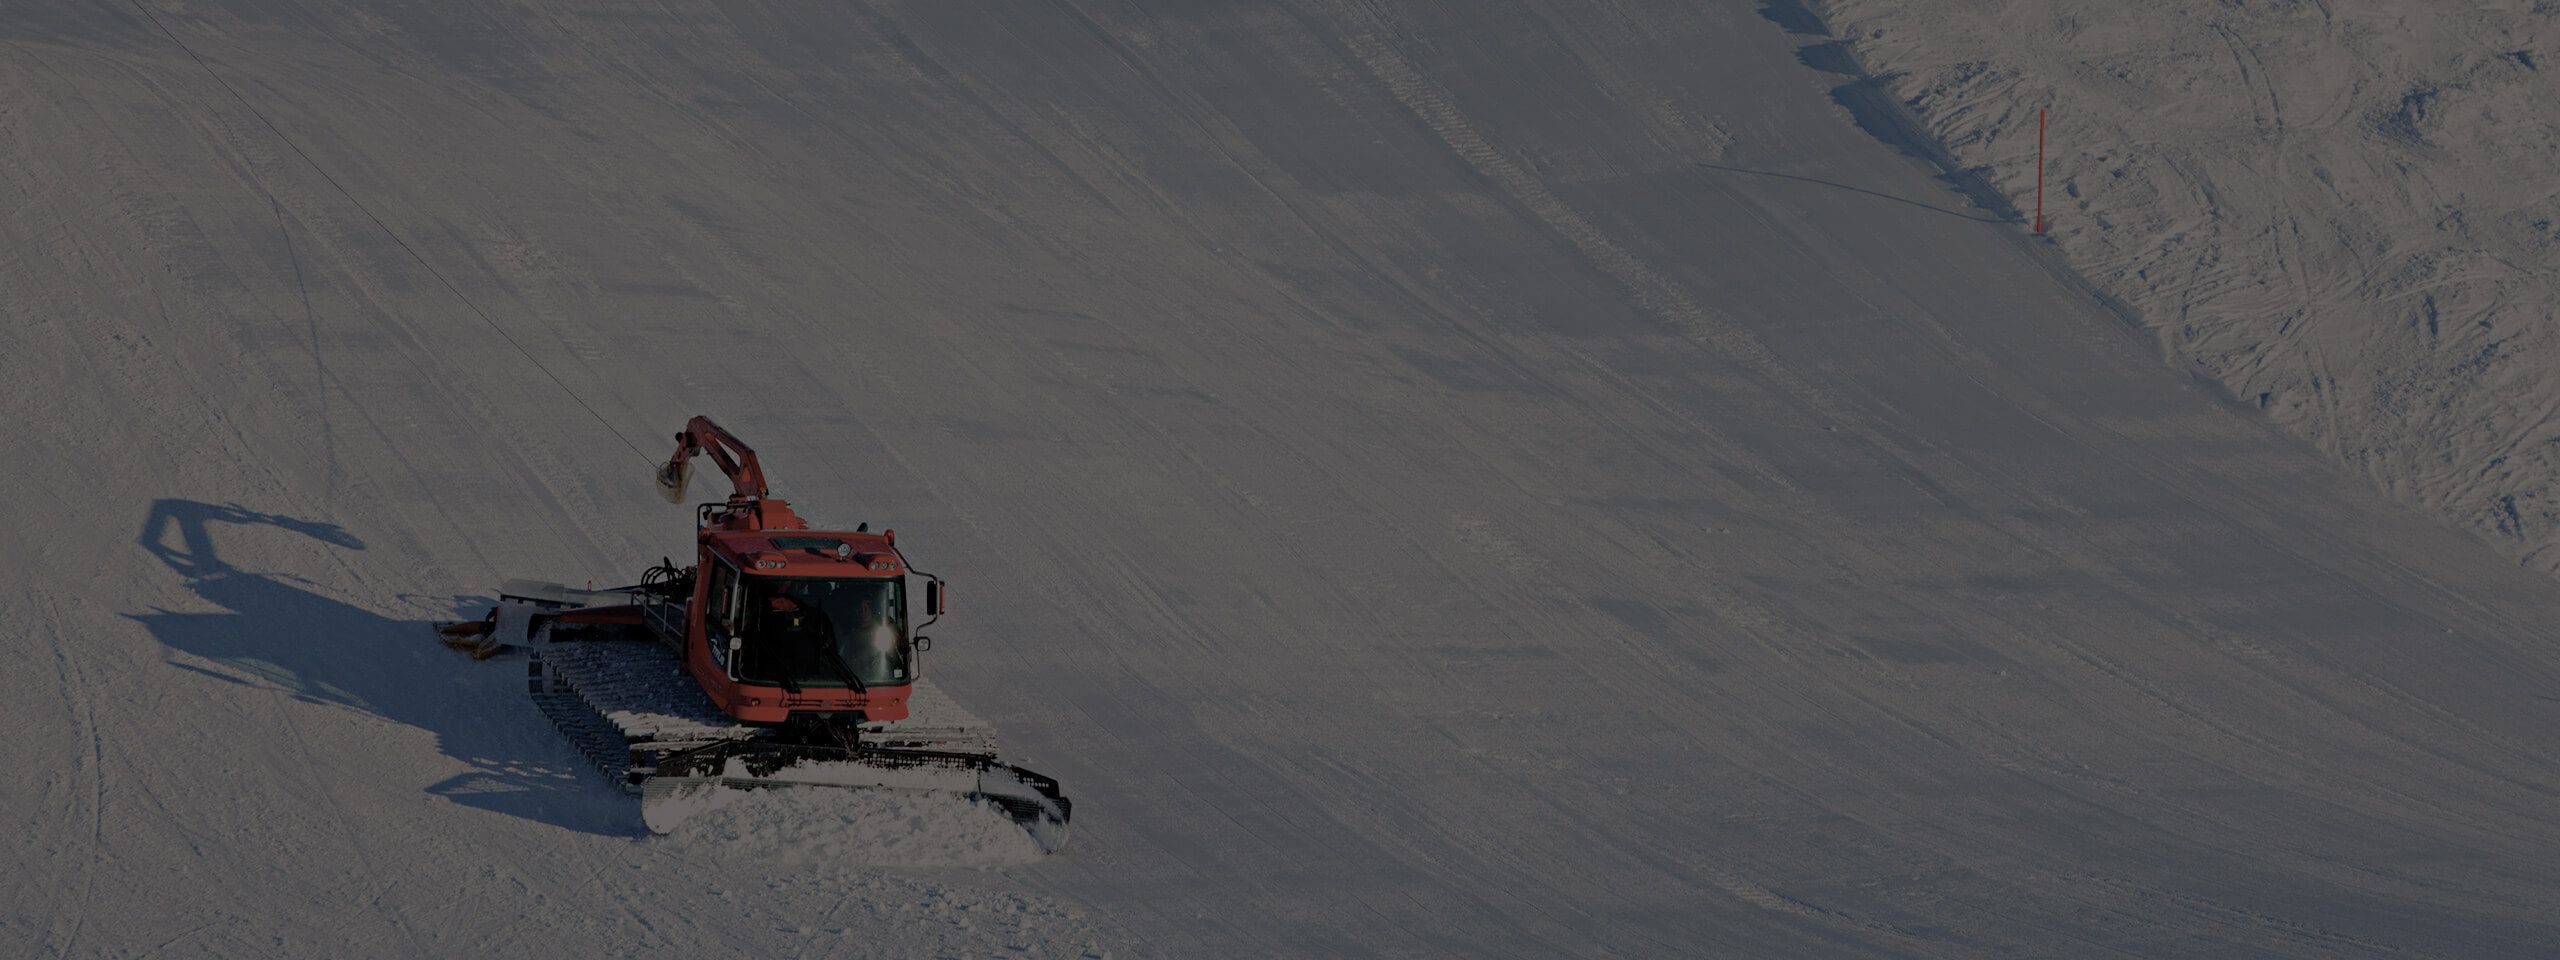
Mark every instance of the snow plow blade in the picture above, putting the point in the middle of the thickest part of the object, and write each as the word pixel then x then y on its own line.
pixel 695 781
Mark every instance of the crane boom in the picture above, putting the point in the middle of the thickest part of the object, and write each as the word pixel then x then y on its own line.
pixel 701 436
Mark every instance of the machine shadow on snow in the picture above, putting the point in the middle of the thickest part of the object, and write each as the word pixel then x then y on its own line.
pixel 326 651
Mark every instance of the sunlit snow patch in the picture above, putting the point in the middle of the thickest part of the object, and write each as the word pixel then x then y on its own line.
pixel 818 825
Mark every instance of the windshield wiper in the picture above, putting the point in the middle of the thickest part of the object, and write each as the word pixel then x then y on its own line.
pixel 835 662
pixel 782 678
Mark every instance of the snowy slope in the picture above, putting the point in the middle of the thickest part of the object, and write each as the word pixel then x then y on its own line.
pixel 1431 479
pixel 2344 211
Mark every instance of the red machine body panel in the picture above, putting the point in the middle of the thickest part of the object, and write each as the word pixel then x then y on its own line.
pixel 755 537
pixel 754 554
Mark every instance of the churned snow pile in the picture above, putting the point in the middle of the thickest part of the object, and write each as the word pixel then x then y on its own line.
pixel 2345 211
pixel 818 826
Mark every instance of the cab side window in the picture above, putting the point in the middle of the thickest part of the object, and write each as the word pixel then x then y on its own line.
pixel 722 604
pixel 737 606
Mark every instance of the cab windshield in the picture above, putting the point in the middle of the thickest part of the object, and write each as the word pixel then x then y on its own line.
pixel 811 632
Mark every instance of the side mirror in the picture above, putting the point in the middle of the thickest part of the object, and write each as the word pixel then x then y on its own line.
pixel 933 598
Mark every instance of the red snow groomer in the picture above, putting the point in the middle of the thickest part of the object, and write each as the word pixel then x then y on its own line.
pixel 781 657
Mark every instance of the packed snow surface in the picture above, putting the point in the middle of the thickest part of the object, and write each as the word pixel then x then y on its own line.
pixel 2346 211
pixel 816 826
pixel 1443 478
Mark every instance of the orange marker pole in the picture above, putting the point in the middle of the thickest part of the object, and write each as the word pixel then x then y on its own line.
pixel 2039 169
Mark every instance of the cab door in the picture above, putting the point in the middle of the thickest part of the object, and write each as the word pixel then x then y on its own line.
pixel 722 600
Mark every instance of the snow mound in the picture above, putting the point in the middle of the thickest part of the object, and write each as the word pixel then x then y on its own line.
pixel 816 825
